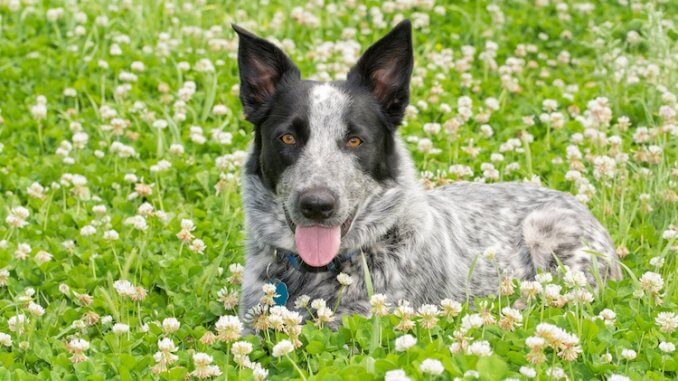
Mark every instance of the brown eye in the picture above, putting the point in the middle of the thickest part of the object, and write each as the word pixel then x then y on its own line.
pixel 288 139
pixel 353 142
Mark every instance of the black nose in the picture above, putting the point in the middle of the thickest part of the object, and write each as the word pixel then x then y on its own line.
pixel 317 204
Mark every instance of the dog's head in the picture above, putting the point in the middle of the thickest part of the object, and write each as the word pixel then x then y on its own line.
pixel 323 149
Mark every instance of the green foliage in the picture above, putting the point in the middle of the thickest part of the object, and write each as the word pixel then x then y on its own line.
pixel 140 128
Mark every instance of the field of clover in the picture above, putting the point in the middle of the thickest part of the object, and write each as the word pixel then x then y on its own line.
pixel 121 228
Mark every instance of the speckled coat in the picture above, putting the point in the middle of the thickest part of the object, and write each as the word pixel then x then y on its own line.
pixel 436 236
pixel 420 245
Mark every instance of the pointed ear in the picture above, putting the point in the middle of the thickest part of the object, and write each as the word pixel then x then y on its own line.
pixel 385 70
pixel 263 68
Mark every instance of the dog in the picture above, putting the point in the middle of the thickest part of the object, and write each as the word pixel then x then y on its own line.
pixel 329 186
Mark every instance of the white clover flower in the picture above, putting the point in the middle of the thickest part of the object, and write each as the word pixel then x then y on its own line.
pixel 302 301
pixel 197 246
pixel 492 104
pixel 471 321
pixel 556 373
pixel 22 251
pixel 628 354
pixel 4 277
pixel 618 377
pixel 657 262
pixel 241 348
pixel 535 343
pixel 258 372
pixel 574 278
pixel 17 323
pixel 450 308
pixel 425 145
pixel 608 316
pixel 17 217
pixel 5 339
pixel 324 315
pixel 166 345
pixel 429 315
pixel 160 124
pixel 43 257
pixel 432 366
pixel 404 343
pixel 667 321
pixel 138 66
pixel 220 109
pixel 432 128
pixel 651 282
pixel 269 289
pixel 35 309
pixel 479 348
pixel 549 104
pixel 204 66
pixel 344 279
pixel 490 253
pixel 77 348
pixel 176 149
pixel 544 278
pixel 229 328
pixel 137 222
pixel 528 372
pixel 283 348
pixel 39 111
pixel 70 92
pixel 379 304
pixel 36 190
pixel 530 289
pixel 396 375
pixel 120 328
pixel 115 50
pixel 204 367
pixel 170 325
pixel 667 347
pixel 124 287
pixel 111 235
pixel 87 230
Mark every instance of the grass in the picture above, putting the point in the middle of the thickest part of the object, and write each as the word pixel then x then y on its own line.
pixel 120 119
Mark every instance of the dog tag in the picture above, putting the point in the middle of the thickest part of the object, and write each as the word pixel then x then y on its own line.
pixel 281 293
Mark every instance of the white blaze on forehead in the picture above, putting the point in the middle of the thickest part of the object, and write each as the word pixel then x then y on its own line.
pixel 322 162
pixel 327 107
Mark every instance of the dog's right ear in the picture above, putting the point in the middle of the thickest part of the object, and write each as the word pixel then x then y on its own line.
pixel 263 68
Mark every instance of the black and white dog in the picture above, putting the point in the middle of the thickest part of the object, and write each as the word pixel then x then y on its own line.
pixel 329 180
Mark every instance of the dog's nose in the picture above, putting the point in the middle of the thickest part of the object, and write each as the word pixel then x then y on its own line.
pixel 317 204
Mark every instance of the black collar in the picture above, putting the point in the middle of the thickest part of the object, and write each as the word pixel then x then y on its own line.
pixel 294 260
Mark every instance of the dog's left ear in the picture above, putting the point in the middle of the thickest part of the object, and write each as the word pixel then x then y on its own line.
pixel 263 69
pixel 385 69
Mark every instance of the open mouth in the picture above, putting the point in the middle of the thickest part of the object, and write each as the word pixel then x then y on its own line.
pixel 318 245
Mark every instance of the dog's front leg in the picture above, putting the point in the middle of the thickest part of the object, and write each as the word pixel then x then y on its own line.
pixel 354 300
pixel 253 281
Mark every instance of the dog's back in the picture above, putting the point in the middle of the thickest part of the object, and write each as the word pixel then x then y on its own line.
pixel 524 228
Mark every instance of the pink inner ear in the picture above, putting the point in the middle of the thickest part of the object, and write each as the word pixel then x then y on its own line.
pixel 264 81
pixel 381 79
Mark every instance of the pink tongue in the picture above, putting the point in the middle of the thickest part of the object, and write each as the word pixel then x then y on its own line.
pixel 317 245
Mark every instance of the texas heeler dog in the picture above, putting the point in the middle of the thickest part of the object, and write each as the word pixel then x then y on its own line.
pixel 328 181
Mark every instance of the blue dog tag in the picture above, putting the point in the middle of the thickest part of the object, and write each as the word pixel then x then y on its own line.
pixel 281 293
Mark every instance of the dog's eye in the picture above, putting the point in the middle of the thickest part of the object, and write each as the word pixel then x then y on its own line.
pixel 288 139
pixel 353 142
